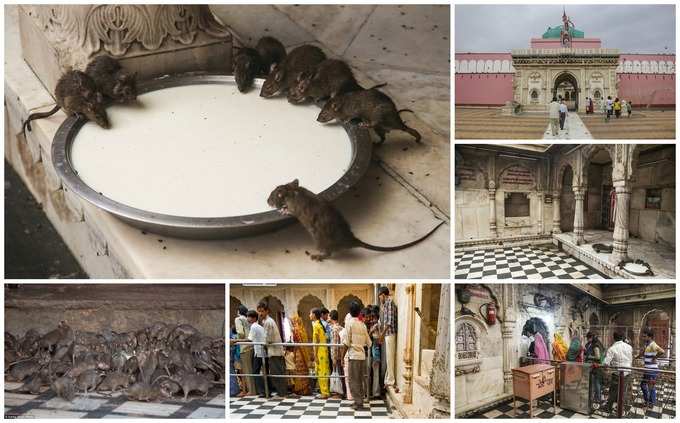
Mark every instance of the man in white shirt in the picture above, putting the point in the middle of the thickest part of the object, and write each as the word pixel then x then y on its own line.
pixel 275 363
pixel 554 115
pixel 619 354
pixel 356 339
pixel 563 113
pixel 609 108
pixel 256 334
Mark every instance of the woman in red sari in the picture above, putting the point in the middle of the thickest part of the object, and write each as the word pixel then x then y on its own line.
pixel 300 385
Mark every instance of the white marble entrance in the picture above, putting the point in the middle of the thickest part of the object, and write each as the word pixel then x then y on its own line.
pixel 574 129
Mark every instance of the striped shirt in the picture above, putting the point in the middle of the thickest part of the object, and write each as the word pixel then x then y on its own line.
pixel 388 316
pixel 652 350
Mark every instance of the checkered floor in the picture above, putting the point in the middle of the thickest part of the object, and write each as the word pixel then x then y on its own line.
pixel 303 407
pixel 663 409
pixel 96 405
pixel 525 262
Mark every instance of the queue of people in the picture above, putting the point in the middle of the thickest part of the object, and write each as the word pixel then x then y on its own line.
pixel 618 359
pixel 353 360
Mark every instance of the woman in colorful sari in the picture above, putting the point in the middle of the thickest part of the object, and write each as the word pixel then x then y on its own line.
pixel 300 385
pixel 321 358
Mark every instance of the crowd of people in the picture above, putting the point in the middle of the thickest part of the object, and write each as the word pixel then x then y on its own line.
pixel 558 110
pixel 615 359
pixel 352 359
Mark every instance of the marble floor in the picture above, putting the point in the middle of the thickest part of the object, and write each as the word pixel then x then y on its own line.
pixel 522 262
pixel 574 129
pixel 660 257
pixel 304 407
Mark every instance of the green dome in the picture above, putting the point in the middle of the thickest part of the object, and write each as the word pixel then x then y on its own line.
pixel 555 32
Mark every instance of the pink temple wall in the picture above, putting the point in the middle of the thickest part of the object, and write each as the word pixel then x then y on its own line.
pixel 643 89
pixel 575 43
pixel 483 89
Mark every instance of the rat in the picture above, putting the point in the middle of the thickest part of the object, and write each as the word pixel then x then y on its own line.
pixel 142 391
pixel 375 110
pixel 331 78
pixel 117 85
pixel 88 380
pixel 192 382
pixel 24 368
pixel 34 382
pixel 64 387
pixel 76 93
pixel 283 75
pixel 323 221
pixel 113 381
pixel 252 62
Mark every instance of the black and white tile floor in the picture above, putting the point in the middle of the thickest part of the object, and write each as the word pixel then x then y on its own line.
pixel 524 262
pixel 96 405
pixel 663 409
pixel 304 407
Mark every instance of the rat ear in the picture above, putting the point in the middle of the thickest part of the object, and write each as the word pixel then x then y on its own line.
pixel 335 106
pixel 295 183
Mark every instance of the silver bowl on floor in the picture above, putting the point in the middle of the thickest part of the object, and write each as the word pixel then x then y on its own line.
pixel 197 227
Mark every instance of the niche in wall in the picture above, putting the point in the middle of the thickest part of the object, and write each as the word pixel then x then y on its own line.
pixel 517 204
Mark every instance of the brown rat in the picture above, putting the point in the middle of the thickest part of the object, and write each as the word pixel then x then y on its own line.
pixel 76 93
pixel 283 75
pixel 113 381
pixel 192 382
pixel 252 62
pixel 375 110
pixel 325 224
pixel 24 368
pixel 64 387
pixel 117 85
pixel 331 78
pixel 142 391
pixel 88 380
pixel 271 51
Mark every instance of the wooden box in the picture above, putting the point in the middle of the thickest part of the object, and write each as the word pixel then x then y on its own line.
pixel 533 382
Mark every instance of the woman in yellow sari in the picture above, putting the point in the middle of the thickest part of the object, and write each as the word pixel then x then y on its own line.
pixel 320 353
pixel 300 385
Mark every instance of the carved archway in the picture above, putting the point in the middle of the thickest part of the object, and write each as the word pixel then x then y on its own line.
pixel 343 306
pixel 589 151
pixel 567 77
pixel 276 310
pixel 306 304
pixel 661 331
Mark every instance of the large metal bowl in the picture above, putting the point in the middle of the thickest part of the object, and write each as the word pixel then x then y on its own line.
pixel 197 227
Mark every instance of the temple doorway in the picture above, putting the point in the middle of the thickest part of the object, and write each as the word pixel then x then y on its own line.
pixel 343 306
pixel 566 87
pixel 567 204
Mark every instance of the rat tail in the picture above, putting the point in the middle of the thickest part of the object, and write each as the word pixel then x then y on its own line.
pixel 375 87
pixel 34 116
pixel 398 247
pixel 405 110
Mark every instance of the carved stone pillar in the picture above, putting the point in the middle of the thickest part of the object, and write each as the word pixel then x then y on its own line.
pixel 539 199
pixel 507 333
pixel 151 40
pixel 492 209
pixel 620 251
pixel 440 376
pixel 410 336
pixel 579 195
pixel 556 213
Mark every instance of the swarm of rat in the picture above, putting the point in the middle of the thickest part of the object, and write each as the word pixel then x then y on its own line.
pixel 88 93
pixel 154 363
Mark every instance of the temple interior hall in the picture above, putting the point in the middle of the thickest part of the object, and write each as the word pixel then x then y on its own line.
pixel 553 350
pixel 567 211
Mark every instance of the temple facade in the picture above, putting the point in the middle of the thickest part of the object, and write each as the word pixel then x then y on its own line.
pixel 564 63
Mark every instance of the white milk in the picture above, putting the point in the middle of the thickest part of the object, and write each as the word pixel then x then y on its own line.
pixel 208 151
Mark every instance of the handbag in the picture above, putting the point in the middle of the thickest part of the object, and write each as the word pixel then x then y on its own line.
pixel 336 382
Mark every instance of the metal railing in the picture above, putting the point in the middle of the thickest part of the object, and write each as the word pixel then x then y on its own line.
pixel 629 395
pixel 265 374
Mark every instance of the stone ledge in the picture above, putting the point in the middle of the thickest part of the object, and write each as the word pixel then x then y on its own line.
pixel 491 243
pixel 108 248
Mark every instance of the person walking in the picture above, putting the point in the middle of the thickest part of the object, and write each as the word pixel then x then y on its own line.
pixel 242 330
pixel 629 108
pixel 620 354
pixel 256 334
pixel 650 353
pixel 274 362
pixel 609 104
pixel 563 113
pixel 617 108
pixel 320 356
pixel 554 116
pixel 356 340
pixel 388 332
